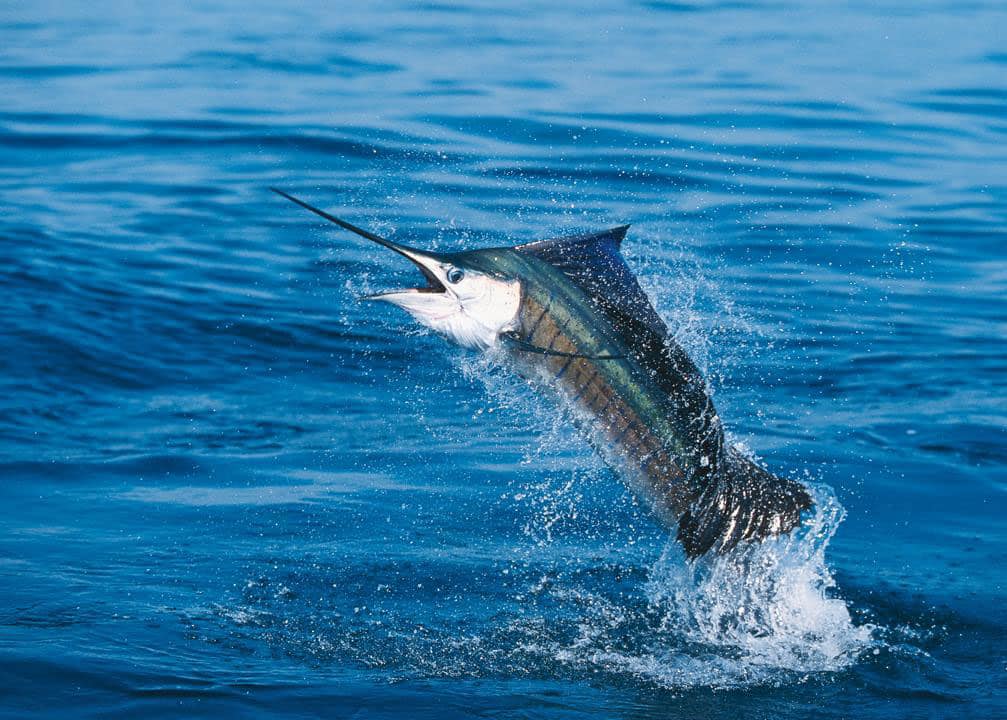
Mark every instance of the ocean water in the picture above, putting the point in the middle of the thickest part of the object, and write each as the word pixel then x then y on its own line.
pixel 228 489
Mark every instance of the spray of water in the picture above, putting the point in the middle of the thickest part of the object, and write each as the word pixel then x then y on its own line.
pixel 760 614
pixel 766 604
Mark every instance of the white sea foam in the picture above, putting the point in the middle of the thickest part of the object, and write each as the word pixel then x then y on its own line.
pixel 767 603
pixel 762 615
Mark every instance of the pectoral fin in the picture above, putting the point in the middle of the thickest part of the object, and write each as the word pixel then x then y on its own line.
pixel 525 346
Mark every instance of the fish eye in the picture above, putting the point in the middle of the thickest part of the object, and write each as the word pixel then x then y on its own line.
pixel 455 275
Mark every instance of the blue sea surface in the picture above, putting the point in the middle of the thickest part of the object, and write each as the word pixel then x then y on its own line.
pixel 229 489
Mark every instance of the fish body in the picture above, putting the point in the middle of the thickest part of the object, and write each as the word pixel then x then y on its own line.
pixel 566 344
pixel 570 313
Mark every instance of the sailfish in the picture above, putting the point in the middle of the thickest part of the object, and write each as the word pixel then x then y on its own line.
pixel 570 313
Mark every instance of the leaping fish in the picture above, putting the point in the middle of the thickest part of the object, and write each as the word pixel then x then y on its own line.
pixel 570 312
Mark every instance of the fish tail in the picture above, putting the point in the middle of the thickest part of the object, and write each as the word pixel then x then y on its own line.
pixel 745 503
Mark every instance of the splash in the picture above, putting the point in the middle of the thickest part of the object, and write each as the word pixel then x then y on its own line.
pixel 766 604
pixel 762 615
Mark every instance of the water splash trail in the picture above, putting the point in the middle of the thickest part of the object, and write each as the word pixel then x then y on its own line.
pixel 767 604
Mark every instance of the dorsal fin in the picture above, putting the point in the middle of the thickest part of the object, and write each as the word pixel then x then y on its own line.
pixel 594 263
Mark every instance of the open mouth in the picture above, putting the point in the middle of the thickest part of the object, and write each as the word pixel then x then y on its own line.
pixel 433 285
